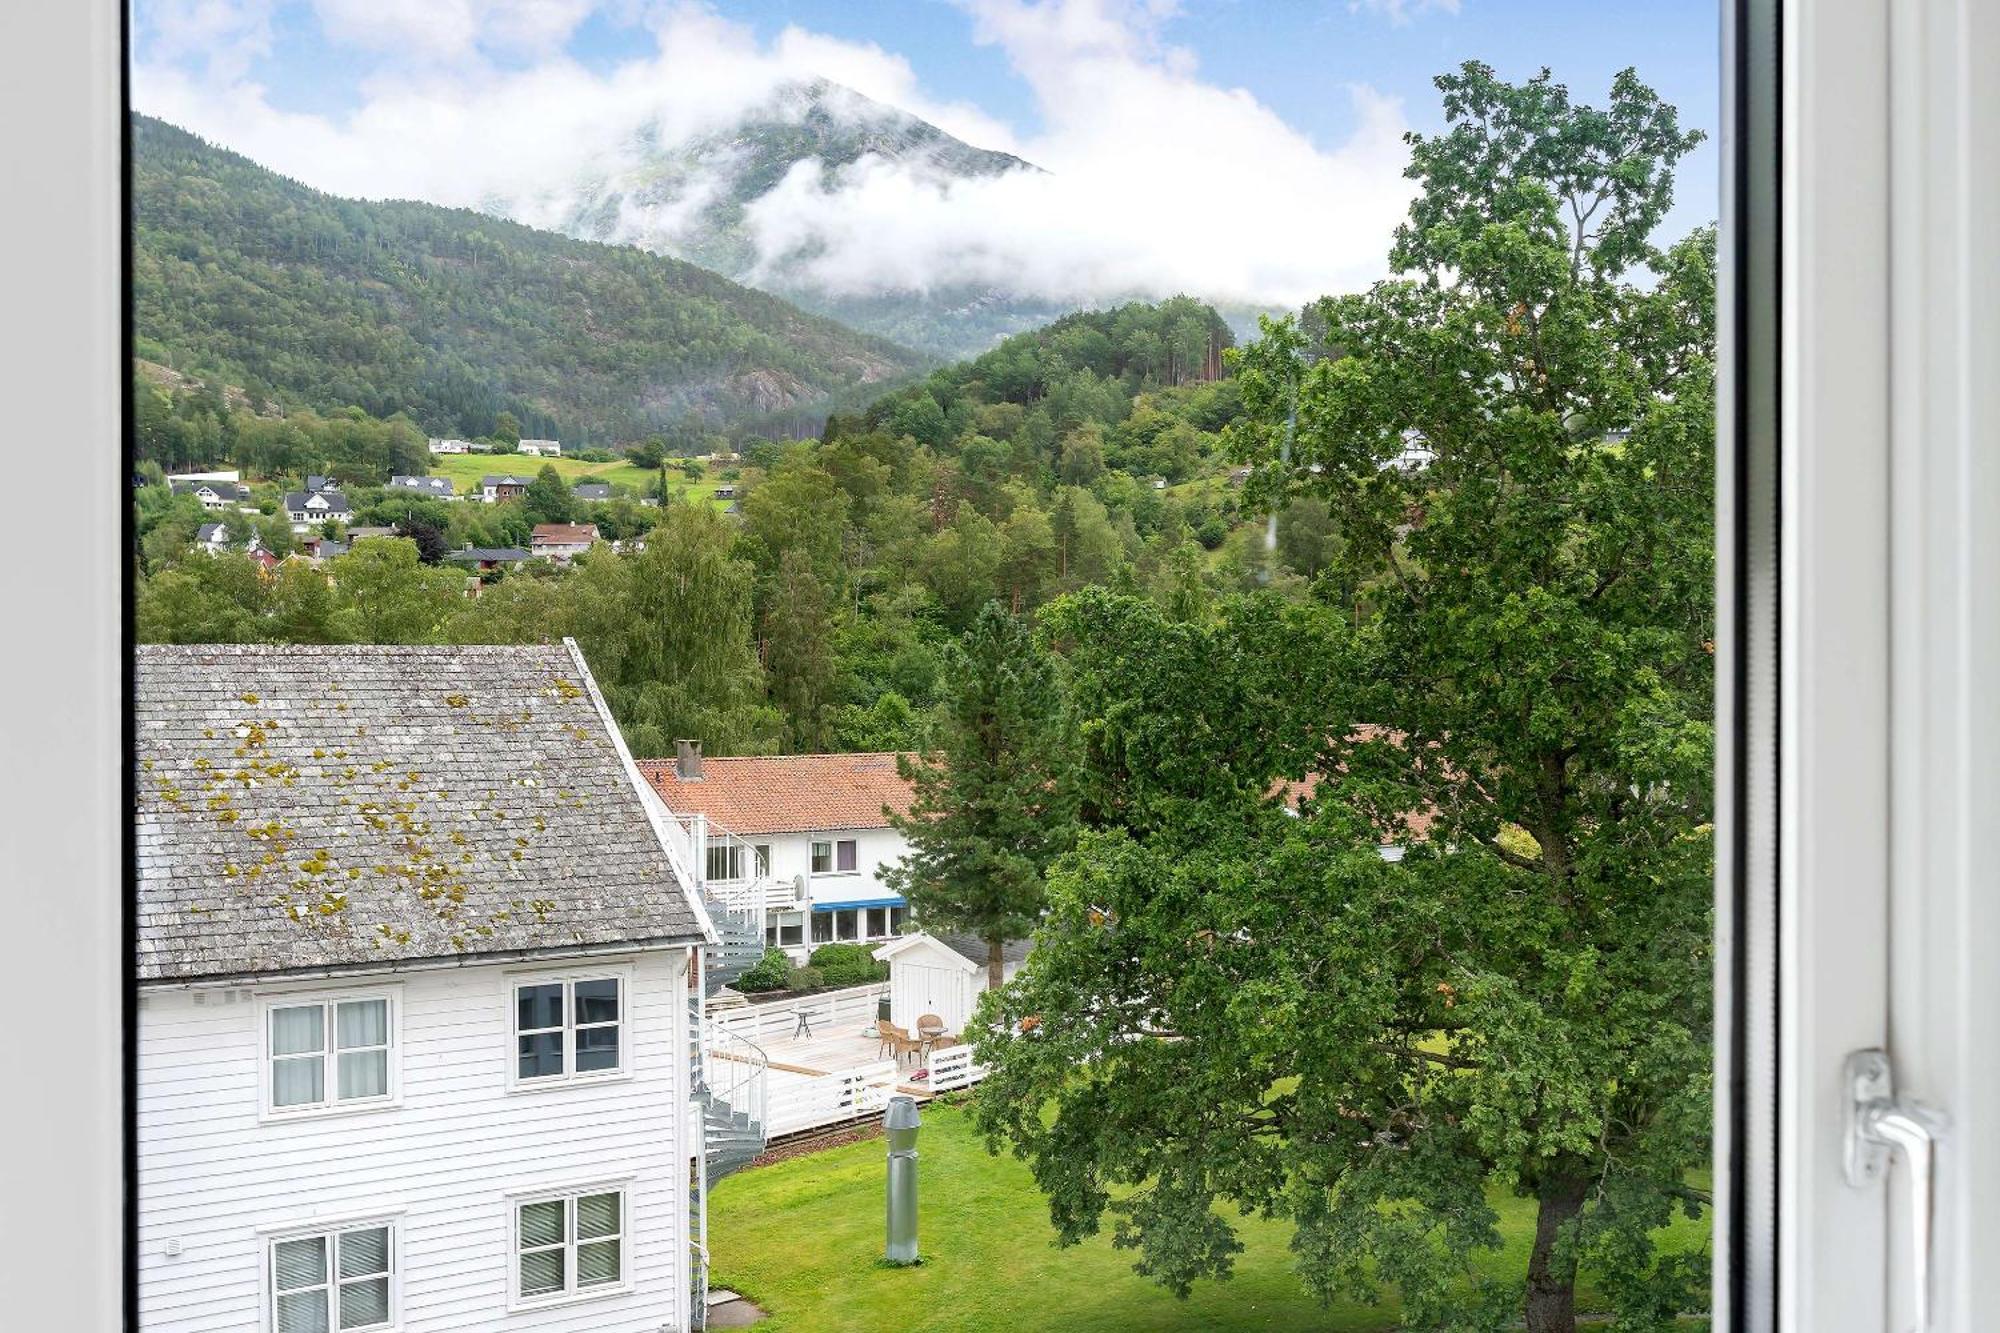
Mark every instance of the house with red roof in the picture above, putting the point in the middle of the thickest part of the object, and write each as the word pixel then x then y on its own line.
pixel 814 827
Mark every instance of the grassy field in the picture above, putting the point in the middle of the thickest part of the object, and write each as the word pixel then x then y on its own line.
pixel 465 470
pixel 803 1238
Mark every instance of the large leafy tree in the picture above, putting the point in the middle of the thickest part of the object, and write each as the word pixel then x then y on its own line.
pixel 993 805
pixel 1516 682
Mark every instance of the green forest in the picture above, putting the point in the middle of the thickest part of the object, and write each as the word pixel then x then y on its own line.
pixel 451 317
pixel 1093 451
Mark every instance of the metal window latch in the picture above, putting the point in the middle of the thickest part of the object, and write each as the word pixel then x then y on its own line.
pixel 1879 1124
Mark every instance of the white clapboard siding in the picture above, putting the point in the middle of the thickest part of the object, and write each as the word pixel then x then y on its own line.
pixel 444 1160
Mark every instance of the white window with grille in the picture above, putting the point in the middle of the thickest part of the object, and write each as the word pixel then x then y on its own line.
pixel 569 1245
pixel 334 1280
pixel 329 1053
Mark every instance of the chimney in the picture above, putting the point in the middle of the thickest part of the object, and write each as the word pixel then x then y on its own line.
pixel 687 760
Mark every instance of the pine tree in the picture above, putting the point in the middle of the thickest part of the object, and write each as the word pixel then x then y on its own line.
pixel 995 805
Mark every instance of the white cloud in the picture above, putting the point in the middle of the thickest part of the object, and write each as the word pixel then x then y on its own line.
pixel 224 36
pixel 1157 180
pixel 418 30
pixel 1400 12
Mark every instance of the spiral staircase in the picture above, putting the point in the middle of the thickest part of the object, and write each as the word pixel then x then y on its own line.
pixel 728 1074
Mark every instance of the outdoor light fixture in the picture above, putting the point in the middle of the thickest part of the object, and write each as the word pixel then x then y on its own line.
pixel 899 1124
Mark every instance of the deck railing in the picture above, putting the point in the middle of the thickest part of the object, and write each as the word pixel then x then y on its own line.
pixel 849 1010
pixel 830 1099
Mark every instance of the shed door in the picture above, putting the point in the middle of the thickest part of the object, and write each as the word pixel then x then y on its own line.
pixel 916 989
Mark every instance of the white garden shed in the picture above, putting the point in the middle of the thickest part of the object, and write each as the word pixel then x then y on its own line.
pixel 942 975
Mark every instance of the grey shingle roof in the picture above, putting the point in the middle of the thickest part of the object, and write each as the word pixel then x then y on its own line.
pixel 592 490
pixel 304 808
pixel 973 949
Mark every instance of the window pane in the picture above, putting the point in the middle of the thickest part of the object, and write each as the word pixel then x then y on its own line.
pixel 597 1263
pixel 822 927
pixel 364 1304
pixel 364 1253
pixel 847 923
pixel 770 937
pixel 300 1263
pixel 361 1023
pixel 541 1272
pixel 596 1048
pixel 718 863
pixel 302 1312
pixel 364 1074
pixel 897 915
pixel 541 1055
pixel 298 1029
pixel 822 857
pixel 846 850
pixel 299 1082
pixel 791 929
pixel 596 1215
pixel 596 1001
pixel 542 1223
pixel 538 1007
pixel 878 922
pixel 763 858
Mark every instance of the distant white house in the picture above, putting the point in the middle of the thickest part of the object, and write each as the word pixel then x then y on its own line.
pixel 562 541
pixel 541 448
pixel 422 1072
pixel 438 488
pixel 220 474
pixel 1415 455
pixel 214 493
pixel 451 446
pixel 319 501
pixel 812 825
pixel 213 537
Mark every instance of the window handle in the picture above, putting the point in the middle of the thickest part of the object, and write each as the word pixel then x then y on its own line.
pixel 1880 1124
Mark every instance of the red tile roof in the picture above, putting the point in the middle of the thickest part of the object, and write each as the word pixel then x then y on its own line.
pixel 790 793
pixel 563 534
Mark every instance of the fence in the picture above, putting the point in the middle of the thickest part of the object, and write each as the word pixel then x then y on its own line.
pixel 829 1099
pixel 849 1010
pixel 952 1067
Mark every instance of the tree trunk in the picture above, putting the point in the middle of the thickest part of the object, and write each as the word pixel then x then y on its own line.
pixel 996 966
pixel 1552 1275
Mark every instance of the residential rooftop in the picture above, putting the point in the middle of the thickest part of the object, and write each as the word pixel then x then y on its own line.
pixel 326 809
pixel 791 793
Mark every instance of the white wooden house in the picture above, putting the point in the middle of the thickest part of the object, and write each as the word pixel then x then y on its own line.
pixel 540 448
pixel 419 1044
pixel 942 975
pixel 814 827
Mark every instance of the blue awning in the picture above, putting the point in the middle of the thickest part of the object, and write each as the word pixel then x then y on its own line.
pixel 897 901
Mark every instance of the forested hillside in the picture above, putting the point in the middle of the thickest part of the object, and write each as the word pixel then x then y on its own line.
pixel 453 317
pixel 1089 452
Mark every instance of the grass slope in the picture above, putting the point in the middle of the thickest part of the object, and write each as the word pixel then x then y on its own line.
pixel 465 470
pixel 803 1238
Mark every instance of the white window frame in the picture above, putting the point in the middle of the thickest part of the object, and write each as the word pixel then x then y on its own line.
pixel 331 1227
pixel 567 978
pixel 812 856
pixel 571 1294
pixel 330 1103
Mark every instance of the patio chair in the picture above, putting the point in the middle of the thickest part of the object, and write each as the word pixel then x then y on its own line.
pixel 905 1044
pixel 889 1035
pixel 929 1028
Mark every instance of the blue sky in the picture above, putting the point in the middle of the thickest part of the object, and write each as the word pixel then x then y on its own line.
pixel 1295 102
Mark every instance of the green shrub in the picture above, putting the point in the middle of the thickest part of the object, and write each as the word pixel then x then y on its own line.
pixel 805 978
pixel 771 973
pixel 849 964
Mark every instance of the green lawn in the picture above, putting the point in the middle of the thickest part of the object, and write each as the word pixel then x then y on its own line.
pixel 465 470
pixel 803 1238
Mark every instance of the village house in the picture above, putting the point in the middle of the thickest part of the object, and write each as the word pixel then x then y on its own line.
pixel 319 501
pixel 562 541
pixel 213 494
pixel 438 488
pixel 212 537
pixel 451 446
pixel 592 490
pixel 485 559
pixel 812 825
pixel 540 448
pixel 421 1032
pixel 494 488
